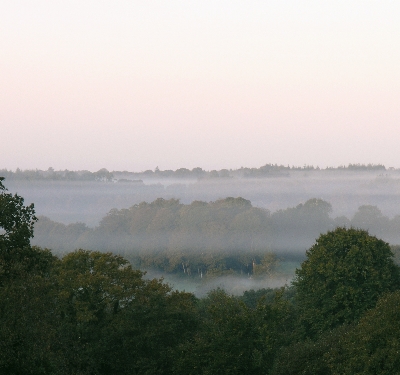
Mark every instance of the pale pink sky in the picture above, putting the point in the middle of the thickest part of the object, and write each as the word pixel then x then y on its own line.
pixel 217 84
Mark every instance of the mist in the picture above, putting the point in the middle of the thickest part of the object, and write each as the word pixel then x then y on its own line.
pixel 234 285
pixel 89 201
pixel 203 230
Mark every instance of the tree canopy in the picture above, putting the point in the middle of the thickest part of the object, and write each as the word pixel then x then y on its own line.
pixel 345 272
pixel 16 231
pixel 16 220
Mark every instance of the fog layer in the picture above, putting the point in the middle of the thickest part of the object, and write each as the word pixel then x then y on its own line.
pixel 69 201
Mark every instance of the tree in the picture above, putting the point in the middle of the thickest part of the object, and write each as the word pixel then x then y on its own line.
pixel 324 356
pixel 113 321
pixel 267 267
pixel 295 227
pixel 236 339
pixel 26 305
pixel 16 220
pixel 103 175
pixel 345 272
pixel 16 230
pixel 374 345
pixel 228 341
pixel 370 218
pixel 27 319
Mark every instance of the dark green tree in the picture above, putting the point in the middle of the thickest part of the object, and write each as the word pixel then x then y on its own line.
pixel 345 272
pixel 226 342
pixel 27 319
pixel 324 356
pixel 374 345
pixel 113 321
pixel 26 307
pixel 16 220
pixel 236 339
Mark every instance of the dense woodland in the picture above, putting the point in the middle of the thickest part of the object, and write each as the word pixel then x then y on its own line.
pixel 91 312
pixel 204 239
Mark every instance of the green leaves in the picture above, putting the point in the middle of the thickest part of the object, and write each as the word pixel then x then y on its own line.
pixel 112 320
pixel 233 338
pixel 345 273
pixel 374 345
pixel 16 221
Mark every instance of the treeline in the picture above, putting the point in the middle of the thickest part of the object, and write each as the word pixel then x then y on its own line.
pixel 271 170
pixel 52 175
pixel 267 170
pixel 210 238
pixel 360 167
pixel 92 313
pixel 103 175
pixel 195 240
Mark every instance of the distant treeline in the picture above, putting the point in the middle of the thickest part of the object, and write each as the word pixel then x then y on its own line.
pixel 52 175
pixel 268 170
pixel 214 238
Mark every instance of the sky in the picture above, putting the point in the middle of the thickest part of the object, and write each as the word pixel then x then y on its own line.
pixel 135 85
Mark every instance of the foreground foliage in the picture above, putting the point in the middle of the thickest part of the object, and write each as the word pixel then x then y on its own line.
pixel 343 276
